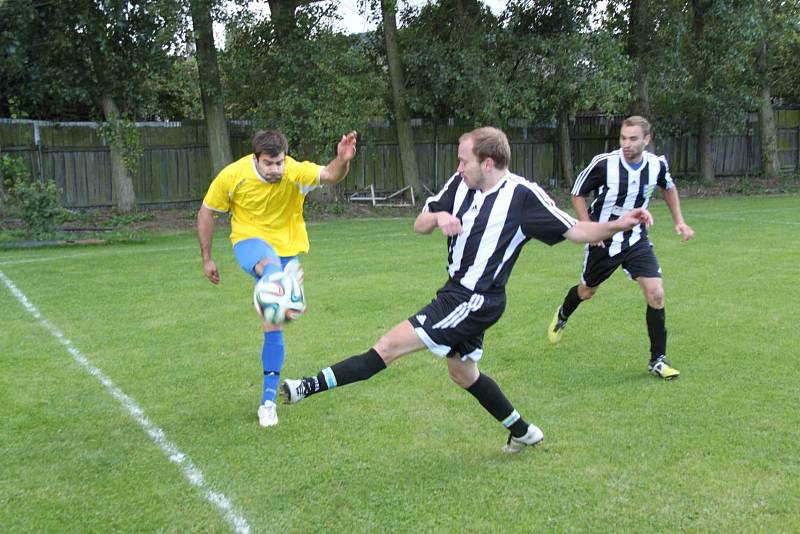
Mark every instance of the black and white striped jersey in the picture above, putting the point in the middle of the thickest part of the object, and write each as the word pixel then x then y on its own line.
pixel 618 188
pixel 495 225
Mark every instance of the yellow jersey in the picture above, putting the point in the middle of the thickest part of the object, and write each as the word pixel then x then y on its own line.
pixel 272 212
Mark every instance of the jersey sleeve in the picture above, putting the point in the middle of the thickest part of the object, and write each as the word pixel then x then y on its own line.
pixel 542 219
pixel 445 199
pixel 664 180
pixel 591 178
pixel 218 197
pixel 304 174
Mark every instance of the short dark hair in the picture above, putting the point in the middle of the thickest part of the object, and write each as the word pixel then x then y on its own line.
pixel 271 142
pixel 638 120
pixel 492 143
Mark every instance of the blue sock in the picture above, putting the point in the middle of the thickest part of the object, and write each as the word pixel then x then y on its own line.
pixel 272 355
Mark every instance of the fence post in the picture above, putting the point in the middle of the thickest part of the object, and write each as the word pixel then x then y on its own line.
pixel 37 140
pixel 435 184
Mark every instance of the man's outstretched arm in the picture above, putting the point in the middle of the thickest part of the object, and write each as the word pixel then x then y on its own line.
pixel 591 232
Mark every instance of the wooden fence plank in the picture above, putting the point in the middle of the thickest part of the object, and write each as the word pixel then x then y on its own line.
pixel 175 165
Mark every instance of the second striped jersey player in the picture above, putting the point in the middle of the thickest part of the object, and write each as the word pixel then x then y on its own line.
pixel 621 181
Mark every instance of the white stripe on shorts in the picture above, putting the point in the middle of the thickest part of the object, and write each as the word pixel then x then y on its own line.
pixel 461 312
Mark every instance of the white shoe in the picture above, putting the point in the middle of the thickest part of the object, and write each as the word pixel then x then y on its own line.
pixel 292 391
pixel 267 415
pixel 514 445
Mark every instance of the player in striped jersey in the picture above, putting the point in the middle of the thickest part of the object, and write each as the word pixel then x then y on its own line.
pixel 621 181
pixel 487 215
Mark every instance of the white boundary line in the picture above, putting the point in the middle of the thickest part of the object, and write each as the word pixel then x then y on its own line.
pixel 170 450
pixel 133 249
pixel 113 252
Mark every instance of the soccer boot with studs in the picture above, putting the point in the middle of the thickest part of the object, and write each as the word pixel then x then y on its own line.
pixel 662 368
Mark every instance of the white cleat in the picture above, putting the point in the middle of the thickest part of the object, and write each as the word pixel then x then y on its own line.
pixel 514 445
pixel 292 391
pixel 267 415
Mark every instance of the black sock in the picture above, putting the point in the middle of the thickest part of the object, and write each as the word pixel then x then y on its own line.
pixel 492 399
pixel 657 330
pixel 353 369
pixel 571 303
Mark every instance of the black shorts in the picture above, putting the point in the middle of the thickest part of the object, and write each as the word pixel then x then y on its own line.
pixel 638 260
pixel 454 322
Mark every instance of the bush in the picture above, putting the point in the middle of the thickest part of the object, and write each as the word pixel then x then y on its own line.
pixel 36 203
pixel 12 170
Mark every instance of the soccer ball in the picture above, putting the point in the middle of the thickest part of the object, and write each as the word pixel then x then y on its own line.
pixel 279 297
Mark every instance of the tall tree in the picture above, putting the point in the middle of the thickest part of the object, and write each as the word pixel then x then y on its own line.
pixel 704 133
pixel 563 67
pixel 457 72
pixel 91 56
pixel 219 145
pixel 120 173
pixel 766 117
pixel 638 48
pixel 775 34
pixel 312 83
pixel 700 81
pixel 405 136
pixel 283 14
pixel 48 76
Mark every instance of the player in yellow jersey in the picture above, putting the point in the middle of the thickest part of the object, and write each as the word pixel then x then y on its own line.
pixel 264 192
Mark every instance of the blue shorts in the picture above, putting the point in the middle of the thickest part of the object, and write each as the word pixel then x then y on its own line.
pixel 250 252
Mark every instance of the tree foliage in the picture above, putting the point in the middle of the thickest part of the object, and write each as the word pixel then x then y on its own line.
pixel 455 73
pixel 560 62
pixel 312 83
pixel 460 60
pixel 59 58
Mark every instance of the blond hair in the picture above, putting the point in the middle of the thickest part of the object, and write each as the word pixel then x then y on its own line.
pixel 638 120
pixel 492 143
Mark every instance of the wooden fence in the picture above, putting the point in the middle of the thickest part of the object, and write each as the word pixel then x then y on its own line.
pixel 175 167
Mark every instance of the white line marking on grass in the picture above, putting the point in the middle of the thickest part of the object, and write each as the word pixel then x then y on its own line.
pixel 114 252
pixel 170 450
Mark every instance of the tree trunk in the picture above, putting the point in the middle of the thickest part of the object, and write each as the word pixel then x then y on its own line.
pixel 704 151
pixel 120 176
pixel 638 45
pixel 284 20
pixel 704 133
pixel 565 146
pixel 219 142
pixel 404 135
pixel 281 13
pixel 766 120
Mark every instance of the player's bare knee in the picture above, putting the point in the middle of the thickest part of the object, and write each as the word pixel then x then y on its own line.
pixel 586 292
pixel 461 379
pixel 464 374
pixel 387 349
pixel 655 297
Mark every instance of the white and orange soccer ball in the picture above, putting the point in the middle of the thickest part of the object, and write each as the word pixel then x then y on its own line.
pixel 279 297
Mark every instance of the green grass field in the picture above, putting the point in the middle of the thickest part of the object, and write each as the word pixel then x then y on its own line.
pixel 148 341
